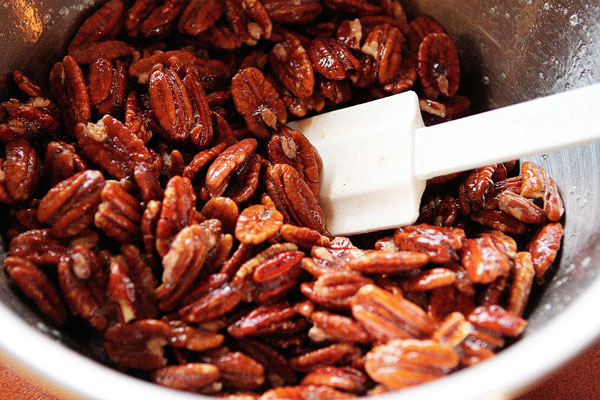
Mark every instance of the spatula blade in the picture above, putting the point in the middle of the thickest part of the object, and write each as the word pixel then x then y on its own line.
pixel 368 182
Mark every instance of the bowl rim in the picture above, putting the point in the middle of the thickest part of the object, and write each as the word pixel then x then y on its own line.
pixel 505 375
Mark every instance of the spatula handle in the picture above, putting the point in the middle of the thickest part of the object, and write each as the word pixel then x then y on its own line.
pixel 538 126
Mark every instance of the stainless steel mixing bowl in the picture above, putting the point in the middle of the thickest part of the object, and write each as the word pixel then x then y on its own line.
pixel 511 51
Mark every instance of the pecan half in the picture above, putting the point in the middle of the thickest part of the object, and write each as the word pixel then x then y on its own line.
pixel 293 11
pixel 339 353
pixel 293 68
pixel 384 44
pixel 521 284
pixel 483 260
pixel 22 169
pixel 335 290
pixel 388 262
pixel 104 24
pixel 333 327
pixel 332 59
pixel 237 369
pixel 38 246
pixel 69 207
pixel 537 183
pixel 257 224
pixel 258 102
pixel 108 86
pixel 226 164
pixel 68 87
pixel 119 214
pixel 440 243
pixel 544 247
pixel 439 68
pixel 61 161
pixel 199 15
pixel 249 20
pixel 186 376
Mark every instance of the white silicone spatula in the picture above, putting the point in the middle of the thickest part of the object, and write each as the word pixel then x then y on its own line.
pixel 377 156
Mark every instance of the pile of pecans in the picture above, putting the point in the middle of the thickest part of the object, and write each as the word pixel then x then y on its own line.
pixel 184 225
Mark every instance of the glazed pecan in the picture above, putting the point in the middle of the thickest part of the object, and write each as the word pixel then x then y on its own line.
pixel 520 208
pixel 221 37
pixel 161 21
pixel 439 68
pixel 35 118
pixel 237 369
pixel 293 148
pixel 186 376
pixel 521 284
pixel 384 44
pixel 544 247
pixel 431 279
pixel 226 164
pixel 36 285
pixel 109 50
pixel 334 290
pixel 538 184
pixel 440 243
pixel 104 24
pixel 360 7
pixel 293 68
pixel 61 161
pixel 332 59
pixel 386 262
pixel 303 237
pixel 177 212
pixel 257 224
pixel 37 246
pixel 119 214
pixel 333 327
pixel 277 370
pixel 387 316
pixel 182 264
pixel 210 302
pixel 293 197
pixel 201 134
pixel 453 330
pixel 349 33
pixel 249 20
pixel 293 11
pixel 83 296
pixel 402 363
pixel 336 92
pixel 142 68
pixel 497 319
pixel 138 344
pixel 69 207
pixel 264 320
pixel 439 209
pixel 199 15
pixel 420 27
pixel 68 87
pixel 339 353
pixel 22 169
pixel 483 260
pixel 107 86
pixel 258 102
pixel 224 209
pixel 499 220
pixel 347 379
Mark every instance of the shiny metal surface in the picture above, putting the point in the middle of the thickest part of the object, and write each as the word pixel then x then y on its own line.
pixel 511 50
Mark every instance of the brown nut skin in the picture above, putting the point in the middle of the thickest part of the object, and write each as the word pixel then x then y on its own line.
pixel 258 102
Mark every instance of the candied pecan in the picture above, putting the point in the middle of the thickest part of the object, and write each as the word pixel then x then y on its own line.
pixel 177 212
pixel 82 299
pixel 277 370
pixel 119 214
pixel 384 44
pixel 211 303
pixel 107 86
pixel 386 262
pixel 224 209
pixel 249 20
pixel 538 184
pixel 293 68
pixel 276 276
pixel 544 247
pixel 333 327
pixel 61 161
pixel 440 243
pixel 387 316
pixel 452 330
pixel 138 344
pixel 104 24
pixel 226 164
pixel 26 85
pixel 113 146
pixel 221 37
pixel 439 209
pixel 182 264
pixel 503 242
pixel 237 369
pixel 303 237
pixel 264 320
pixel 497 319
pixel 349 33
pixel 490 201
pixel 37 246
pixel 258 102
pixel 202 133
pixel 444 109
pixel 25 120
pixel 439 68
pixel 499 220
pixel 477 183
pixel 22 169
pixel 305 392
pixel 334 290
pixel 257 223
pixel 69 88
pixel 521 284
pixel 293 11
pixel 142 68
pixel 188 376
pixel 36 285
pixel 161 20
pixel 87 54
pixel 483 260
pixel 293 197
pixel 293 148
pixel 185 336
pixel 202 159
pixel 520 208
pixel 402 363
pixel 336 92
pixel 338 353
pixel 139 11
pixel 69 207
pixel 199 15
pixel 332 59
pixel 420 27
pixel 343 378
pixel 360 7
pixel 431 279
